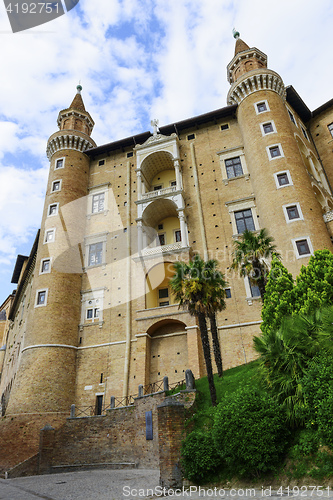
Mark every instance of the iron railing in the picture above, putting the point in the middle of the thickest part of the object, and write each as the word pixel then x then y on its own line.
pixel 90 411
pixel 178 385
pixel 155 387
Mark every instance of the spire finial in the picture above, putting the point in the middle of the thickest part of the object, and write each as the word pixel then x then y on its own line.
pixel 235 33
pixel 79 88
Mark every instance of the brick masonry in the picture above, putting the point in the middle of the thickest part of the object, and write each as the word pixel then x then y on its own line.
pixel 118 438
pixel 170 433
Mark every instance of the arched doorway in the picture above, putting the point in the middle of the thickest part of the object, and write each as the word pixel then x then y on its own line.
pixel 168 351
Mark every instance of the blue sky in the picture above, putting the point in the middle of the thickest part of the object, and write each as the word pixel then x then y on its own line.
pixel 136 60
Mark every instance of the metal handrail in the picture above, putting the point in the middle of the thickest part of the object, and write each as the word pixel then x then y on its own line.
pixel 153 388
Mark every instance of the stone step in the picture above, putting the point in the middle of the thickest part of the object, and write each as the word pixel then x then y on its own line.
pixel 104 465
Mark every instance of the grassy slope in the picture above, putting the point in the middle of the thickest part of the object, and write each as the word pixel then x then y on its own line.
pixel 297 469
pixel 232 380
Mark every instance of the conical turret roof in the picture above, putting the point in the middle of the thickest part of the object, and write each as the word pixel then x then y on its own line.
pixel 240 46
pixel 77 102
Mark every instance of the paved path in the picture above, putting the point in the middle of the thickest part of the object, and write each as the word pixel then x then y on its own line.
pixel 133 484
pixel 85 485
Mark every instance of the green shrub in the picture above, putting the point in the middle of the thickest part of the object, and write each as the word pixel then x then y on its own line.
pixel 318 392
pixel 200 458
pixel 250 432
pixel 306 443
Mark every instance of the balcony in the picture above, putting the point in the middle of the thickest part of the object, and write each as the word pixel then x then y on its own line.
pixel 159 192
pixel 173 247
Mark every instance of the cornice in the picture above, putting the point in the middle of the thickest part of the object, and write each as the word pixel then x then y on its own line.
pixel 255 82
pixel 253 53
pixel 68 141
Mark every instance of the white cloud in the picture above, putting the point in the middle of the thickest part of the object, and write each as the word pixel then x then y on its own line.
pixel 22 195
pixel 137 60
pixel 8 136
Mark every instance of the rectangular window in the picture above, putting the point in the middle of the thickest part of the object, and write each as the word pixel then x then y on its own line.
pixel 173 183
pixel 93 313
pixel 95 254
pixel 292 212
pixel 303 247
pixel 330 128
pixel 41 298
pixel 56 186
pixel 53 209
pixel 291 116
pixel 228 293
pixel 233 167
pixel 244 220
pixel 261 107
pixel 161 238
pixel 304 133
pixel 255 292
pixel 157 188
pixel 274 151
pixel 282 179
pixel 178 235
pixel 268 128
pixel 163 294
pixel 225 126
pixel 59 163
pixel 46 266
pixel 190 137
pixel 160 227
pixel 49 235
pixel 101 162
pixel 98 203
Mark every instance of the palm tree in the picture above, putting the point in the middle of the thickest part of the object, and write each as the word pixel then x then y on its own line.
pixel 197 287
pixel 216 291
pixel 250 250
pixel 286 353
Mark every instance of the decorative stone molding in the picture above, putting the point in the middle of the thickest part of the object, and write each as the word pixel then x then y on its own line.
pixel 266 80
pixel 328 217
pixel 68 141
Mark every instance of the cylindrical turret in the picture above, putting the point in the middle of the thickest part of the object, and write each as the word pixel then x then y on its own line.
pixel 276 158
pixel 46 378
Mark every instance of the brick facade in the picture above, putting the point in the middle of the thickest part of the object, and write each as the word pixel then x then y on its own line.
pixel 118 216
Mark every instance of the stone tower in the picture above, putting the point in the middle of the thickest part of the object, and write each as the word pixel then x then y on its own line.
pixel 279 155
pixel 46 377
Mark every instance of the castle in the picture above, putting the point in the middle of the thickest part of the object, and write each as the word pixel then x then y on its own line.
pixel 93 316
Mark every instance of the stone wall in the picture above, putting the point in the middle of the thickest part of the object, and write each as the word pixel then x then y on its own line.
pixel 170 433
pixel 116 439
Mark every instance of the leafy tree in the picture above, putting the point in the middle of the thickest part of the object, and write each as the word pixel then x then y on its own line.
pixel 318 393
pixel 286 353
pixel 199 287
pixel 313 289
pixel 248 257
pixel 314 285
pixel 250 432
pixel 278 297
